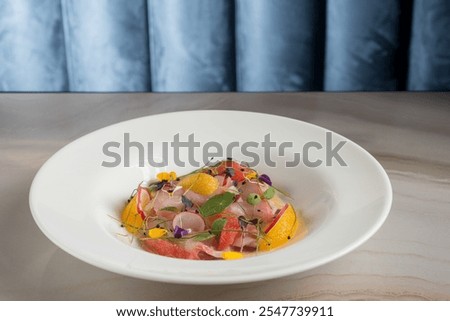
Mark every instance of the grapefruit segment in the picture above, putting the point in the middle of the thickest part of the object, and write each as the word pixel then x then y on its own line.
pixel 238 173
pixel 229 233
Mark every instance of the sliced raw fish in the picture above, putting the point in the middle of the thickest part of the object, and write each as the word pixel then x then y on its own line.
pixel 165 199
pixel 187 250
pixel 195 198
pixel 247 238
pixel 166 248
pixel 236 209
pixel 224 183
pixel 262 210
pixel 251 187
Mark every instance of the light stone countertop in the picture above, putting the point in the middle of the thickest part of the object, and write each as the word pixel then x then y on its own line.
pixel 407 259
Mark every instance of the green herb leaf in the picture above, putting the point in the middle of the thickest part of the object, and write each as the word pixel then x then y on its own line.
pixel 269 193
pixel 216 204
pixel 170 209
pixel 218 225
pixel 203 236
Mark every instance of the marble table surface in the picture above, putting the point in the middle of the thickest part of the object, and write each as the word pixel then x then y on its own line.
pixel 407 259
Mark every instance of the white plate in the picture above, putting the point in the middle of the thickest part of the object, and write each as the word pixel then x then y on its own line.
pixel 73 197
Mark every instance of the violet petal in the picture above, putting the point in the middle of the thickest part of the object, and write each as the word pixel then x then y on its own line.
pixel 179 232
pixel 266 179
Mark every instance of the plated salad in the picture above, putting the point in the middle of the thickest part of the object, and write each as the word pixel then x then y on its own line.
pixel 223 211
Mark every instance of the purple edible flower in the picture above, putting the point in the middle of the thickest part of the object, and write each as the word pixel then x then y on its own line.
pixel 266 179
pixel 179 232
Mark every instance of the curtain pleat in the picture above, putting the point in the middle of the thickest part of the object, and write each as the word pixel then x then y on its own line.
pixel 429 67
pixel 107 45
pixel 361 45
pixel 192 45
pixel 279 45
pixel 224 45
pixel 32 56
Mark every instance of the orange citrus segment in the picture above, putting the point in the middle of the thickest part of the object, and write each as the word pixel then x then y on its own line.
pixel 131 219
pixel 200 183
pixel 282 231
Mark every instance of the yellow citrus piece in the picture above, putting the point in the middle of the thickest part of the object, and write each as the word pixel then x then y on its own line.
pixel 130 217
pixel 232 255
pixel 156 233
pixel 251 175
pixel 166 176
pixel 200 183
pixel 282 231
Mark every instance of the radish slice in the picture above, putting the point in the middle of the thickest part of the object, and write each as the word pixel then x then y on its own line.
pixel 164 199
pixel 165 214
pixel 143 199
pixel 188 220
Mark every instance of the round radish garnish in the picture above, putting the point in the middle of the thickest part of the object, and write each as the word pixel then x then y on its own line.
pixel 189 221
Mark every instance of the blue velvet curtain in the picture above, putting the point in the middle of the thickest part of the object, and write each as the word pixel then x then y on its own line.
pixel 224 45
